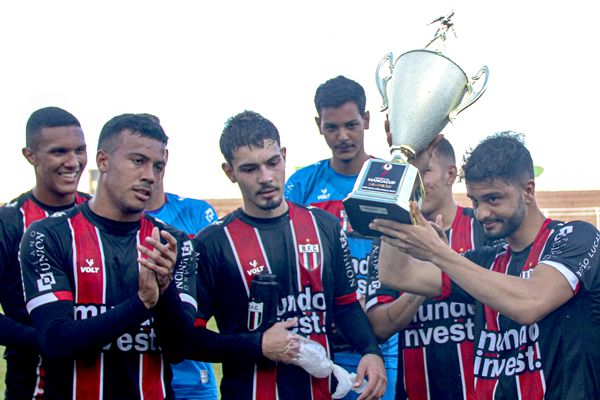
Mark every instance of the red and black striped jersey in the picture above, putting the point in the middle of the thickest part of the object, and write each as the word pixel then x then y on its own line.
pixel 80 275
pixel 435 358
pixel 308 252
pixel 557 357
pixel 22 358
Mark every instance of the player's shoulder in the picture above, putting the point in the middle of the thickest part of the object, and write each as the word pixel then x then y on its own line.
pixel 14 204
pixel 217 228
pixel 321 216
pixel 56 221
pixel 580 229
pixel 162 225
pixel 81 197
pixel 309 171
pixel 187 201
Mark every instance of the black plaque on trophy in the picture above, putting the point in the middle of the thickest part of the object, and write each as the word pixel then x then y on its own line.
pixel 383 190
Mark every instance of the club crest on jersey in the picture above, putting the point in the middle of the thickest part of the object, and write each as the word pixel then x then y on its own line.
pixel 310 256
pixel 255 315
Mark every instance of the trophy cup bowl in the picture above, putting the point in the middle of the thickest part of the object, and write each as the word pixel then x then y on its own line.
pixel 426 91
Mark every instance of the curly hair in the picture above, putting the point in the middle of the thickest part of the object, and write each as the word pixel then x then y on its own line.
pixel 500 156
pixel 337 92
pixel 247 128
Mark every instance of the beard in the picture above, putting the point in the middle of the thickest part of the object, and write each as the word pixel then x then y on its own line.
pixel 270 204
pixel 510 224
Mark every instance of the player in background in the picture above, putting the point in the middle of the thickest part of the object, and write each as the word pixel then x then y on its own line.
pixel 342 120
pixel 429 366
pixel 55 147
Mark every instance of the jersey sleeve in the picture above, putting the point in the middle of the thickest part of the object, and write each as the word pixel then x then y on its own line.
pixel 44 257
pixel 206 282
pixel 574 251
pixel 376 292
pixel 345 283
pixel 348 315
pixel 184 273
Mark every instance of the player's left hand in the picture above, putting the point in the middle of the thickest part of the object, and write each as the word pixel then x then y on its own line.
pixel 371 367
pixel 421 241
pixel 162 258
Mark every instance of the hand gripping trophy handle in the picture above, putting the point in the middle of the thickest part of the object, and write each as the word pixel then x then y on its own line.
pixel 471 96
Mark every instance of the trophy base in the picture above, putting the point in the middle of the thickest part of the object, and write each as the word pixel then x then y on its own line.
pixel 382 190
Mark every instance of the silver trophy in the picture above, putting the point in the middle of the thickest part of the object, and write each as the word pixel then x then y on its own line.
pixel 422 92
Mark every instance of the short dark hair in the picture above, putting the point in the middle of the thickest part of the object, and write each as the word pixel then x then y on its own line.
pixel 247 128
pixel 338 91
pixel 145 125
pixel 500 156
pixel 47 117
pixel 445 150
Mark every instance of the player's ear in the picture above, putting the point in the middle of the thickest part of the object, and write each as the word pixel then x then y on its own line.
pixel 529 191
pixel 228 169
pixel 452 174
pixel 318 122
pixel 283 153
pixel 102 160
pixel 366 119
pixel 29 155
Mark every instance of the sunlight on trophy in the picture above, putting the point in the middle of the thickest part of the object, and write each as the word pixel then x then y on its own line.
pixel 422 90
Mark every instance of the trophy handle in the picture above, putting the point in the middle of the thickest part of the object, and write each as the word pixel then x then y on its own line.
pixel 471 96
pixel 382 80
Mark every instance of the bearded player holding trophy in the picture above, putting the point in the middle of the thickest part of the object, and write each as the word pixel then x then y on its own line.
pixel 536 301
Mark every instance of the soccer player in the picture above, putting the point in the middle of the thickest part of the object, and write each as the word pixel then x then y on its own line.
pixel 55 147
pixel 431 366
pixel 191 379
pixel 304 248
pixel 103 280
pixel 342 120
pixel 536 298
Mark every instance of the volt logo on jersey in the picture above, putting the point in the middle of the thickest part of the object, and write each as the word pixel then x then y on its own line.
pixel 89 268
pixel 255 268
pixel 325 195
pixel 311 256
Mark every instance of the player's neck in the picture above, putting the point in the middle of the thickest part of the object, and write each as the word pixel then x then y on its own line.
pixel 528 230
pixel 104 205
pixel 256 212
pixel 350 167
pixel 53 199
pixel 448 213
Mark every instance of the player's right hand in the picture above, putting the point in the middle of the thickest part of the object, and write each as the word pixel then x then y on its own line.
pixel 279 344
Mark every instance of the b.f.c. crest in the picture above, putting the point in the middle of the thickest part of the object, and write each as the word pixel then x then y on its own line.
pixel 310 256
pixel 255 315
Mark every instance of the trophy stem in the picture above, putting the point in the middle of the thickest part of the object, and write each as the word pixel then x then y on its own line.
pixel 402 154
